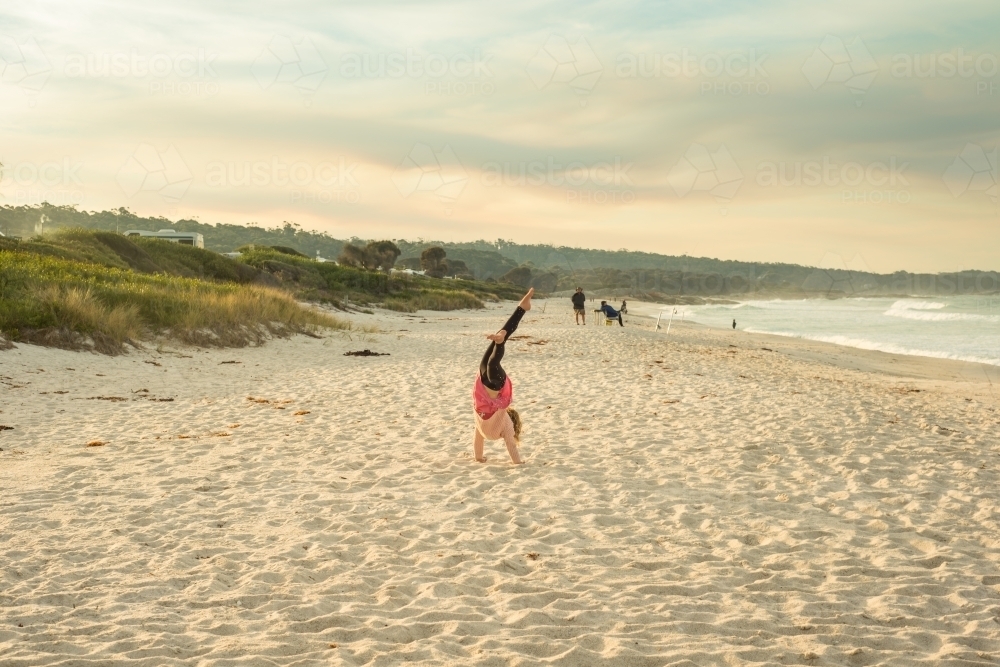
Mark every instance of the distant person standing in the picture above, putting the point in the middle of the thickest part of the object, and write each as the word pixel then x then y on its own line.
pixel 624 309
pixel 580 305
pixel 734 325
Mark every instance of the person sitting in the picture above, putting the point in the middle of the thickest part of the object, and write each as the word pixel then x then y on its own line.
pixel 624 308
pixel 611 313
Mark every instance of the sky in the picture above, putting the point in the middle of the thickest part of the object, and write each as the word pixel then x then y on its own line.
pixel 837 134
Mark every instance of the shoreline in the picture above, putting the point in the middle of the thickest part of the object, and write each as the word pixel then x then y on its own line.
pixel 871 359
pixel 845 357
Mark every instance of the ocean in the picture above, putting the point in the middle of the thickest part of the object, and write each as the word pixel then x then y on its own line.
pixel 959 327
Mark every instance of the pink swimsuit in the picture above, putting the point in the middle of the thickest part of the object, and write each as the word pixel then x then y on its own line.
pixel 486 405
pixel 492 420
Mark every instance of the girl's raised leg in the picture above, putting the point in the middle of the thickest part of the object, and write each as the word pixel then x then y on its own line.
pixel 524 306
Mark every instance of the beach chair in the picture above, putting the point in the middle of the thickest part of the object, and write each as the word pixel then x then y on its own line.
pixel 604 319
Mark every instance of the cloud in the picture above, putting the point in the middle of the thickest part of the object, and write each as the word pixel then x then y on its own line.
pixel 281 95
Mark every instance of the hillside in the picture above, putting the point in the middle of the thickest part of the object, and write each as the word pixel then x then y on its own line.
pixel 99 290
pixel 652 276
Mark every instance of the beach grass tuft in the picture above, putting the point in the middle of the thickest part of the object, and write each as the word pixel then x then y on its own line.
pixel 80 304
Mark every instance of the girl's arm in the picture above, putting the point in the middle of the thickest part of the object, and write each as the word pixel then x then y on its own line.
pixel 477 446
pixel 511 441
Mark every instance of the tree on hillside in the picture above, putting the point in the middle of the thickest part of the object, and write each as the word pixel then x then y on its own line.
pixel 457 268
pixel 375 255
pixel 383 253
pixel 433 263
pixel 520 276
pixel 352 255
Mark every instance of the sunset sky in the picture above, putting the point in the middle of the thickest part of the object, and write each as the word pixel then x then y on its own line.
pixel 825 133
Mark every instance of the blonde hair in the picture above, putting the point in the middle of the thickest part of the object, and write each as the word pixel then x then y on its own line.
pixel 516 420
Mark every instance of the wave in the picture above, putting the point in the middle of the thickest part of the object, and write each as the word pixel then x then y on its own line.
pixel 918 305
pixel 924 311
pixel 749 305
pixel 891 348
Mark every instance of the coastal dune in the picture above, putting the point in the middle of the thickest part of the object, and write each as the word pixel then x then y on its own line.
pixel 707 497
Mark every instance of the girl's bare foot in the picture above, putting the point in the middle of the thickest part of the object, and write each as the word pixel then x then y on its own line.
pixel 526 300
pixel 525 303
pixel 482 460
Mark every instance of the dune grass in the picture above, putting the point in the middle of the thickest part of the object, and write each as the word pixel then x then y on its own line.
pixel 67 303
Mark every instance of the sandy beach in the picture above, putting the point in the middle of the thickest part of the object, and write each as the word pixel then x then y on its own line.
pixel 708 497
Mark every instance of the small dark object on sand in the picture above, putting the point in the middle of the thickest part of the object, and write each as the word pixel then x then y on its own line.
pixel 6 428
pixel 365 353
